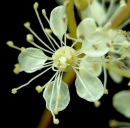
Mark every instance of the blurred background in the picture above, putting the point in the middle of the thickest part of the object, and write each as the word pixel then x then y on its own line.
pixel 25 109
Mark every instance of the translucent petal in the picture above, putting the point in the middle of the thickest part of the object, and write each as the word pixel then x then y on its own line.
pixel 115 77
pixel 88 86
pixel 58 21
pixel 86 28
pixel 95 11
pixel 92 64
pixel 30 64
pixel 117 38
pixel 64 96
pixel 121 102
pixel 96 45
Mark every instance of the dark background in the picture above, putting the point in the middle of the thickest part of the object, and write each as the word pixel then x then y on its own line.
pixel 25 109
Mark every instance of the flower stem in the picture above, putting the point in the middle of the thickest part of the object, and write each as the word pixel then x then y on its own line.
pixel 122 16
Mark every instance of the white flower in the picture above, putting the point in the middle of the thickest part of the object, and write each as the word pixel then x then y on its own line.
pixel 121 102
pixel 63 59
pixel 120 42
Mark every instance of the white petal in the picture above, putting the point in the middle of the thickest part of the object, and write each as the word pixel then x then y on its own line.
pixel 86 28
pixel 58 21
pixel 121 102
pixel 91 64
pixel 115 77
pixel 31 64
pixel 96 45
pixel 117 38
pixel 88 86
pixel 63 93
pixel 97 12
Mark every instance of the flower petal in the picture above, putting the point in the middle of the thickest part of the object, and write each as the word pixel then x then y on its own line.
pixel 96 45
pixel 29 61
pixel 64 96
pixel 121 102
pixel 58 21
pixel 95 11
pixel 88 86
pixel 91 64
pixel 115 77
pixel 86 28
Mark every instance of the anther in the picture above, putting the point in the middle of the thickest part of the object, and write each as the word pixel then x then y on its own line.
pixel 23 50
pixel 48 31
pixel 106 91
pixel 29 38
pixel 10 43
pixel 43 11
pixel 113 123
pixel 16 69
pixel 56 121
pixel 38 89
pixel 68 36
pixel 97 103
pixel 55 111
pixel 122 3
pixel 14 91
pixel 27 25
pixel 35 6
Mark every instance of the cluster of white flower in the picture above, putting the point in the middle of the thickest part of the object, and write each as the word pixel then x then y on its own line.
pixel 96 44
pixel 120 46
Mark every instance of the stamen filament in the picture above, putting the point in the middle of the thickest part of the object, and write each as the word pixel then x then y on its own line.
pixel 32 79
pixel 39 39
pixel 37 14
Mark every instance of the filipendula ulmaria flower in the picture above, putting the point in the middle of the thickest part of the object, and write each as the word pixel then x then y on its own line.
pixel 118 54
pixel 63 59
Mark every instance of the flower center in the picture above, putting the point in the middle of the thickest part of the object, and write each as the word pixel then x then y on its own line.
pixel 64 58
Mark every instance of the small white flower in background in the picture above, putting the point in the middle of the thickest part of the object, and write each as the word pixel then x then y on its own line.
pixel 120 46
pixel 64 58
pixel 121 102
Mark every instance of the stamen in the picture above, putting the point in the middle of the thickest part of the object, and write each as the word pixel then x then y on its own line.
pixel 35 6
pixel 97 103
pixel 29 38
pixel 53 77
pixel 39 39
pixel 16 69
pixel 39 89
pixel 44 14
pixel 54 119
pixel 48 31
pixel 23 50
pixel 38 17
pixel 27 25
pixel 106 91
pixel 53 40
pixel 15 89
pixel 11 44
